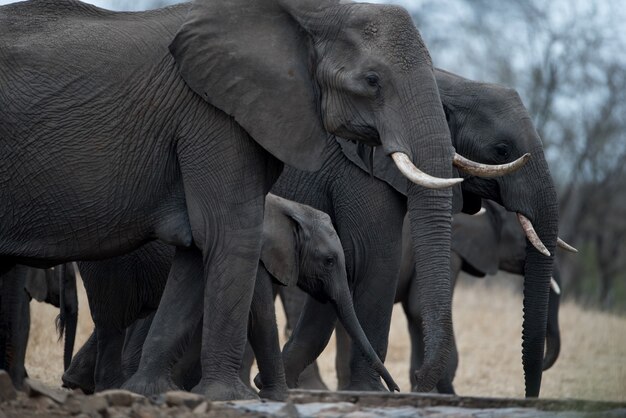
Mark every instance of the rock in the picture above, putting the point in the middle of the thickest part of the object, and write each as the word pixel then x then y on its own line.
pixel 73 404
pixel 181 398
pixel 288 411
pixel 93 405
pixel 143 412
pixel 120 397
pixel 35 388
pixel 7 391
pixel 202 408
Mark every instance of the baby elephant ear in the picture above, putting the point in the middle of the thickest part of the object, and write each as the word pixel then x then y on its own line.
pixel 279 254
pixel 252 60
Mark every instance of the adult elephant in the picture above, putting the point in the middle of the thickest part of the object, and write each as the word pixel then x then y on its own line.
pixel 367 198
pixel 21 284
pixel 173 124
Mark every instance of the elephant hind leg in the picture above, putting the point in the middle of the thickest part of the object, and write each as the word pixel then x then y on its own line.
pixel 80 374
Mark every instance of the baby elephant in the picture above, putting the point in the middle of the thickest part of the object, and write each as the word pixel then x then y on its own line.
pixel 300 248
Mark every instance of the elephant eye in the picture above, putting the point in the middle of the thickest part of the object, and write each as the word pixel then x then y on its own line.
pixel 502 150
pixel 372 80
pixel 329 261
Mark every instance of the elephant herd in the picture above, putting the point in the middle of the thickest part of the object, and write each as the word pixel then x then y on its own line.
pixel 144 146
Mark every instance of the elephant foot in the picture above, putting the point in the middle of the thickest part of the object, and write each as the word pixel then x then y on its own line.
pixel 75 379
pixel 225 391
pixel 149 386
pixel 366 386
pixel 274 392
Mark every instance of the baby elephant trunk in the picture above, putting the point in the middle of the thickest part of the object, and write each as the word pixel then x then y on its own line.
pixel 345 311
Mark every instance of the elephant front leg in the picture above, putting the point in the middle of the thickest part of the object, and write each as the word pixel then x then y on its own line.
pixel 80 374
pixel 178 314
pixel 263 335
pixel 108 373
pixel 231 271
pixel 309 338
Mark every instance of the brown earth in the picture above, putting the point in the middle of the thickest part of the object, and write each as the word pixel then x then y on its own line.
pixel 487 320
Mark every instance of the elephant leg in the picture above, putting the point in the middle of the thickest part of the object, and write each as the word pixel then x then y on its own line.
pixel 309 338
pixel 80 374
pixel 188 371
pixel 263 336
pixel 374 296
pixel 135 336
pixel 293 300
pixel 178 314
pixel 342 359
pixel 553 334
pixel 246 365
pixel 109 373
pixel 14 323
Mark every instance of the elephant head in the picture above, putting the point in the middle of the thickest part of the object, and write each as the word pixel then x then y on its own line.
pixel 301 247
pixel 290 72
pixel 490 124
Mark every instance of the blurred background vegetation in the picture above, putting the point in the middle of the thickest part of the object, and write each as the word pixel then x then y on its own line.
pixel 567 60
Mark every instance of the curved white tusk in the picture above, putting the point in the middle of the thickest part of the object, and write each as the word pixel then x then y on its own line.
pixel 565 246
pixel 417 176
pixel 532 236
pixel 481 212
pixel 555 286
pixel 487 170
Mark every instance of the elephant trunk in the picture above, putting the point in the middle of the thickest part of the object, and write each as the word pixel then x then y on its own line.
pixel 537 273
pixel 553 335
pixel 430 216
pixel 342 302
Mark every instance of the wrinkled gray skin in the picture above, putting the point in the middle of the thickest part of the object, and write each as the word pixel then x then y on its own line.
pixel 56 286
pixel 173 124
pixel 300 247
pixel 488 124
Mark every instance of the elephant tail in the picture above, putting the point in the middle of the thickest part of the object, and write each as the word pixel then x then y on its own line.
pixel 67 320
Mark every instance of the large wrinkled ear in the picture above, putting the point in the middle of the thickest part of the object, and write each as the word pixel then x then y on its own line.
pixel 279 252
pixel 254 61
pixel 476 239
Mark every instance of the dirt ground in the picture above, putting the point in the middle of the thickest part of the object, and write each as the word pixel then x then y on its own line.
pixel 487 321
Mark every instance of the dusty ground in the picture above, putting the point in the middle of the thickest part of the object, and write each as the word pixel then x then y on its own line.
pixel 487 320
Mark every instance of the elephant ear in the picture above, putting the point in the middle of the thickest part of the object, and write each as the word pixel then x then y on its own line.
pixel 252 60
pixel 477 239
pixel 279 252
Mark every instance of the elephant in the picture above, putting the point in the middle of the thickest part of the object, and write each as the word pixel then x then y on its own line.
pixel 56 286
pixel 367 199
pixel 299 247
pixel 173 124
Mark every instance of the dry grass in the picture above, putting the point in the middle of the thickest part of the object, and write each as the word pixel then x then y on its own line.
pixel 487 318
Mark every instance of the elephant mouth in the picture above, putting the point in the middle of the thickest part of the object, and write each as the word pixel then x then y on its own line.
pixel 365 134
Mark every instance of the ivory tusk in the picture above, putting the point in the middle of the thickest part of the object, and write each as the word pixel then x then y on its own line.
pixel 481 212
pixel 488 170
pixel 555 286
pixel 532 236
pixel 565 246
pixel 417 176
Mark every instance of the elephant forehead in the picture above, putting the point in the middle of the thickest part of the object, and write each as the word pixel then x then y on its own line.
pixel 390 30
